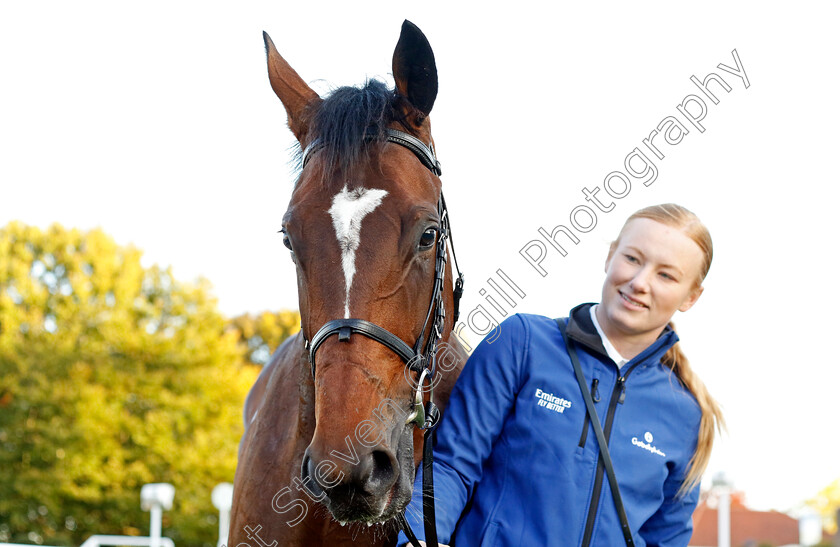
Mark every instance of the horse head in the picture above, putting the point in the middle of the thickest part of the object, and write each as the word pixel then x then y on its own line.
pixel 366 231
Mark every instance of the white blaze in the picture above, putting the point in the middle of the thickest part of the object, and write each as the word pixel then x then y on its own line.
pixel 349 208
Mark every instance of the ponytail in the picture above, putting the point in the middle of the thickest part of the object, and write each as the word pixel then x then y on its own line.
pixel 711 417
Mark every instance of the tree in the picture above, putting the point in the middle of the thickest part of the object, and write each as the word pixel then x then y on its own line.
pixel 261 334
pixel 827 503
pixel 112 375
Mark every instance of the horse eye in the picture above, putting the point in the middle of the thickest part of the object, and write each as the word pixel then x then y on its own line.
pixel 427 240
pixel 287 243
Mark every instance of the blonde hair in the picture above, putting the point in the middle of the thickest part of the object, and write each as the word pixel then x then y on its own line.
pixel 676 216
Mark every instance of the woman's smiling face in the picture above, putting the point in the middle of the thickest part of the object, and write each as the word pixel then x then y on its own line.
pixel 653 271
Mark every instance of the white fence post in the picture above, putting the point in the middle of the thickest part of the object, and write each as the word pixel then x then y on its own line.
pixel 155 498
pixel 222 497
pixel 723 487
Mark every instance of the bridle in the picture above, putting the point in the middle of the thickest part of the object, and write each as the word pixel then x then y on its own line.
pixel 420 359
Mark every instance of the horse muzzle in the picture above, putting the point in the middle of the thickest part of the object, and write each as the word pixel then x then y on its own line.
pixel 356 483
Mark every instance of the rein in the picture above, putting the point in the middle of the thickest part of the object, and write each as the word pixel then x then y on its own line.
pixel 421 358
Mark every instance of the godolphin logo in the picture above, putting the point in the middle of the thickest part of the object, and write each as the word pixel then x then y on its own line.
pixel 648 444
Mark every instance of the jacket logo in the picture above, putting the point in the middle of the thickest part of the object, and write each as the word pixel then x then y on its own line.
pixel 646 445
pixel 551 402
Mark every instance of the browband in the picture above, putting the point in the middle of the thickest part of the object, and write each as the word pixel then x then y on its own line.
pixel 424 153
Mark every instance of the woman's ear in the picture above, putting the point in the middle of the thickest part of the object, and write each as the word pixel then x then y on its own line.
pixel 692 298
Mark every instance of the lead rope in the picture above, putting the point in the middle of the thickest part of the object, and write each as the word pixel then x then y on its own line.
pixel 432 413
pixel 599 433
pixel 432 418
pixel 429 521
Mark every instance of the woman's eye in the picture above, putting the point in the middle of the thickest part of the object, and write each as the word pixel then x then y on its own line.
pixel 668 276
pixel 631 258
pixel 427 240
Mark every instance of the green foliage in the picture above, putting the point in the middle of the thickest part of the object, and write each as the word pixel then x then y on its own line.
pixel 113 375
pixel 261 334
pixel 827 503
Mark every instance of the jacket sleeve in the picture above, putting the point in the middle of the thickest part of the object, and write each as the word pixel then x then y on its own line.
pixel 671 525
pixel 479 404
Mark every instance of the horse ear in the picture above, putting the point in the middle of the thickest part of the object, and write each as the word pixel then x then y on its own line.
pixel 293 92
pixel 414 68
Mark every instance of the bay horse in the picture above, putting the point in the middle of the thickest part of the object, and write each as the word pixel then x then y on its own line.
pixel 330 448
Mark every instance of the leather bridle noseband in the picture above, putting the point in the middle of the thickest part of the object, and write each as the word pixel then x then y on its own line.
pixel 421 358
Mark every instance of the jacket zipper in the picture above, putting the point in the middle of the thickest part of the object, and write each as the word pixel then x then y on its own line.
pixel 596 397
pixel 616 398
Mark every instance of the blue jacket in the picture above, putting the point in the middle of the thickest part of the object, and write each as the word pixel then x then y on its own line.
pixel 516 460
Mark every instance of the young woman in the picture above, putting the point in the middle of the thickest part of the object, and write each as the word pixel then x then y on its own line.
pixel 517 460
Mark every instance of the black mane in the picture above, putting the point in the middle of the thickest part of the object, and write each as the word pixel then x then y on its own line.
pixel 349 120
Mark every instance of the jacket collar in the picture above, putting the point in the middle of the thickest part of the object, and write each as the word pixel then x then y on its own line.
pixel 581 329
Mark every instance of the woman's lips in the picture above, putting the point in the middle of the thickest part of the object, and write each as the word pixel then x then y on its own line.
pixel 632 303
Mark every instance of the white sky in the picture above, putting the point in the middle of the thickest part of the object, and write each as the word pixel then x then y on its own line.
pixel 155 121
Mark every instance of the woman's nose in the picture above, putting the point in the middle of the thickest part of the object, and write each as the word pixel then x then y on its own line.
pixel 641 281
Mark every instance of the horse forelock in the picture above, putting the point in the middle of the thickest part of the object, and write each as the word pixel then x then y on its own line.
pixel 363 213
pixel 350 125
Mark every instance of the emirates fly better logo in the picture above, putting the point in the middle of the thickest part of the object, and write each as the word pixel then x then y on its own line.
pixel 551 401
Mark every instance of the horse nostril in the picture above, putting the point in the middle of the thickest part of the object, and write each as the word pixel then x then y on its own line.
pixel 383 471
pixel 307 476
